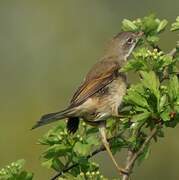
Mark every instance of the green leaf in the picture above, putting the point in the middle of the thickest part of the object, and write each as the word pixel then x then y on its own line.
pixel 57 164
pixel 54 163
pixel 162 25
pixel 140 89
pixel 82 149
pixel 151 82
pixel 48 163
pixel 135 98
pixel 144 155
pixel 139 109
pixel 153 39
pixel 173 88
pixel 57 150
pixel 117 144
pixel 93 140
pixel 163 101
pixel 165 115
pixel 15 171
pixel 175 25
pixel 167 60
pixel 150 24
pixel 134 65
pixel 128 25
pixel 141 116
pixel 25 176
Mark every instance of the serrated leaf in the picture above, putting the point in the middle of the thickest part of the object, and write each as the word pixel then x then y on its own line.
pixel 56 150
pixel 57 164
pixel 163 101
pixel 134 65
pixel 150 23
pixel 162 25
pixel 135 98
pixel 82 149
pixel 25 176
pixel 140 89
pixel 92 140
pixel 167 59
pixel 48 163
pixel 153 39
pixel 173 88
pixel 175 25
pixel 139 109
pixel 140 117
pixel 165 116
pixel 20 162
pixel 128 25
pixel 151 81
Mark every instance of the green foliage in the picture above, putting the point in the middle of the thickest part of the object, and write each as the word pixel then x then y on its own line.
pixel 84 176
pixel 151 103
pixel 175 25
pixel 15 171
pixel 65 149
pixel 150 25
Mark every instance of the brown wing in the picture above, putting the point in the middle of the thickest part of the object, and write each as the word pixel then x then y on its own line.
pixel 100 75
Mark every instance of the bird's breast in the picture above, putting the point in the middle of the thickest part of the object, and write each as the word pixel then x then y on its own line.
pixel 111 101
pixel 106 101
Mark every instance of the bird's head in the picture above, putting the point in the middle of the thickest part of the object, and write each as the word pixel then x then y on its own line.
pixel 122 44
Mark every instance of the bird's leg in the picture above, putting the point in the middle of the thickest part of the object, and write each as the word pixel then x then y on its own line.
pixel 102 129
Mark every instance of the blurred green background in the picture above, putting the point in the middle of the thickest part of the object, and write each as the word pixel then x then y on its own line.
pixel 46 47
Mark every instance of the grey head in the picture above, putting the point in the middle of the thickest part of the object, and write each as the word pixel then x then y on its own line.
pixel 122 45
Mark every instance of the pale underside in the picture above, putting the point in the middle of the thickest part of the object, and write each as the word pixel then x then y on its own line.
pixel 105 103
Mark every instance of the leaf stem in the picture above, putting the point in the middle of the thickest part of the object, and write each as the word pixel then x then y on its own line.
pixel 132 155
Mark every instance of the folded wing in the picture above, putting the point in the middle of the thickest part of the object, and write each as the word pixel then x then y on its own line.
pixel 101 75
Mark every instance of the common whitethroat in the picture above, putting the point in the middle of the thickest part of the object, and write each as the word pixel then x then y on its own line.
pixel 100 95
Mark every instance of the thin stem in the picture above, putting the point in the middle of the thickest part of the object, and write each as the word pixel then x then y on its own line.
pixel 173 52
pixel 129 157
pixel 132 156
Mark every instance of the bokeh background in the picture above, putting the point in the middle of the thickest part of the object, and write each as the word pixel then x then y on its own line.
pixel 46 47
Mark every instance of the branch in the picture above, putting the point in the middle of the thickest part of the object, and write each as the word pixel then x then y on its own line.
pixel 132 156
pixel 100 149
pixel 129 157
pixel 173 52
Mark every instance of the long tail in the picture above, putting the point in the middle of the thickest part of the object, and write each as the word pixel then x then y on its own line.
pixel 48 118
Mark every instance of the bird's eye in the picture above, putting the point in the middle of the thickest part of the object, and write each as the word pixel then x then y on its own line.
pixel 130 41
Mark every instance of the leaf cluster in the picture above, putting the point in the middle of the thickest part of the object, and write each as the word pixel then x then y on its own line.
pixel 150 25
pixel 64 150
pixel 15 171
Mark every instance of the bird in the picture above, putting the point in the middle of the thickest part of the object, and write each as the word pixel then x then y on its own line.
pixel 100 95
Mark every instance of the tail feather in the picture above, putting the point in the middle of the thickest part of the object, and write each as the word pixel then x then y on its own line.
pixel 48 118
